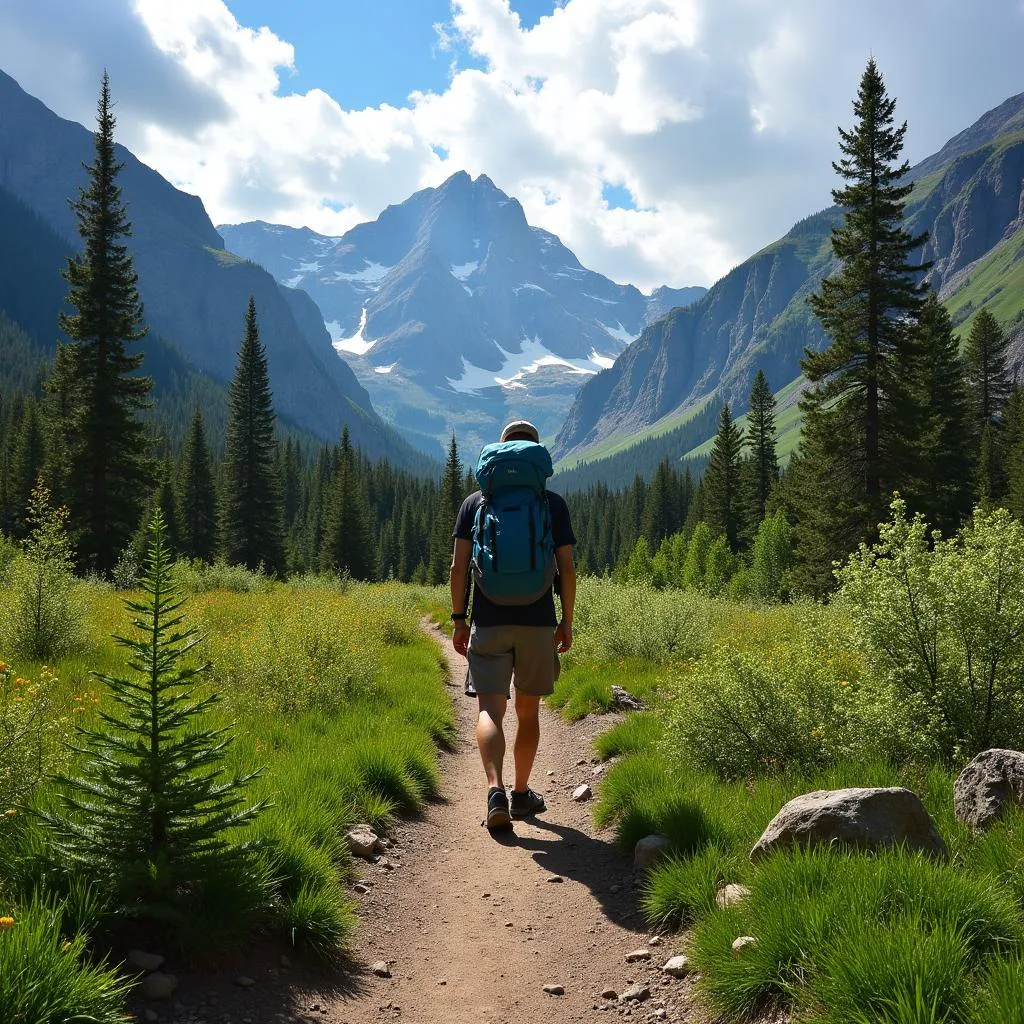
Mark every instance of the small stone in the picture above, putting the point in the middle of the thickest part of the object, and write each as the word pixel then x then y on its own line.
pixel 381 969
pixel 555 990
pixel 442 981
pixel 556 878
pixel 638 954
pixel 485 895
pixel 151 1016
pixel 598 770
pixel 361 889
pixel 363 841
pixel 145 961
pixel 635 994
pixel 609 993
pixel 655 940
pixel 158 986
pixel 550 772
pixel 508 924
pixel 244 981
pixel 581 793
pixel 648 851
pixel 742 942
pixel 677 966
pixel 730 895
pixel 661 1013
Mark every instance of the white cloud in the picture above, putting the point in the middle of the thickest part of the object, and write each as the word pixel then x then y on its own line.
pixel 719 116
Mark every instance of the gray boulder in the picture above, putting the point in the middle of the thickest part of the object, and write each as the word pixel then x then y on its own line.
pixel 991 782
pixel 648 851
pixel 865 819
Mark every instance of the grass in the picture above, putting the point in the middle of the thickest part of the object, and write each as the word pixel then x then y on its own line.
pixel 331 689
pixel 841 936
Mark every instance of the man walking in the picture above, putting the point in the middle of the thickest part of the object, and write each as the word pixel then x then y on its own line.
pixel 514 629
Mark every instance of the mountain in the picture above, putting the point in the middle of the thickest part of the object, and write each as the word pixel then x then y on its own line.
pixel 194 291
pixel 969 197
pixel 454 312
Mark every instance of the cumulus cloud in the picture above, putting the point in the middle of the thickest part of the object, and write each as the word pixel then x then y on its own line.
pixel 718 116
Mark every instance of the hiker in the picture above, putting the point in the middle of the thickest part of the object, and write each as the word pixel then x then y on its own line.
pixel 516 539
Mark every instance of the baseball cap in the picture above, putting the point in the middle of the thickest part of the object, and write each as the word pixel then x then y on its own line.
pixel 521 427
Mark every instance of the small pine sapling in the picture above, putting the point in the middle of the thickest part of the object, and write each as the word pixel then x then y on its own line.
pixel 150 808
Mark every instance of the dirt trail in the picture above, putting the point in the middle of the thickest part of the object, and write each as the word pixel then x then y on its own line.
pixel 472 925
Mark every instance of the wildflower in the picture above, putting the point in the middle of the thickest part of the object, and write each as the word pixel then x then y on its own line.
pixel 5 923
pixel 843 682
pixel 10 812
pixel 3 666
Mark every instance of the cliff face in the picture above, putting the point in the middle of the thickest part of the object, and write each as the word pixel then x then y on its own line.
pixel 968 197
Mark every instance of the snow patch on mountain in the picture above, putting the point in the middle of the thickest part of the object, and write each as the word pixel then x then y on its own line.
pixel 356 343
pixel 385 369
pixel 619 333
pixel 460 271
pixel 372 273
pixel 516 366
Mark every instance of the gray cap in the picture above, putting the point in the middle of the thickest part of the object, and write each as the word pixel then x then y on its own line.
pixel 521 427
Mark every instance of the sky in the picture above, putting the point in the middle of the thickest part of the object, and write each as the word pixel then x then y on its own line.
pixel 663 140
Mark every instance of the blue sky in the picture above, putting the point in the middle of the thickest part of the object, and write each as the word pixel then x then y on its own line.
pixel 368 52
pixel 663 141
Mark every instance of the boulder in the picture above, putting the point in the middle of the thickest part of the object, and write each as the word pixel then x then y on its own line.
pixel 988 785
pixel 623 700
pixel 865 819
pixel 730 895
pixel 648 851
pixel 145 961
pixel 363 842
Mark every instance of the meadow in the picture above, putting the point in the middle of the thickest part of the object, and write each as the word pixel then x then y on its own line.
pixel 333 700
pixel 749 706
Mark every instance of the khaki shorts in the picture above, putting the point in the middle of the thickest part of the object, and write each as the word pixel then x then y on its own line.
pixel 497 653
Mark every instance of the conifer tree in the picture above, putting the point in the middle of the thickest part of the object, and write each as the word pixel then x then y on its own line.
pixel 197 497
pixel 449 500
pixel 662 514
pixel 721 484
pixel 102 441
pixel 869 308
pixel 938 462
pixel 149 811
pixel 348 546
pixel 252 519
pixel 761 470
pixel 1013 451
pixel 27 464
pixel 988 374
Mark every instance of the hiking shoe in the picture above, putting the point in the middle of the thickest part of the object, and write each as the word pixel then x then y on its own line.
pixel 527 803
pixel 497 809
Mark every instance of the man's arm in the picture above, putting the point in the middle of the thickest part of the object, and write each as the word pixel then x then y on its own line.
pixel 567 592
pixel 459 587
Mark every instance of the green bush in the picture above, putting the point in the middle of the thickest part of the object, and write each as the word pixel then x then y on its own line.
pixel 198 577
pixel 941 623
pixel 28 727
pixel 45 975
pixel 787 702
pixel 44 620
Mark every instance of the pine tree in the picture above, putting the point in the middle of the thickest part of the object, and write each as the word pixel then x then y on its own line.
pixel 761 471
pixel 252 519
pixel 938 462
pixel 27 464
pixel 348 546
pixel 661 515
pixel 1013 451
pixel 869 307
pixel 102 439
pixel 986 356
pixel 449 501
pixel 197 497
pixel 154 798
pixel 721 484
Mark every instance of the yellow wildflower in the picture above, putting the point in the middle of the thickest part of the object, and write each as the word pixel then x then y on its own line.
pixel 10 812
pixel 6 922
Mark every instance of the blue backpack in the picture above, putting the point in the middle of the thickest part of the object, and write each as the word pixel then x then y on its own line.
pixel 513 550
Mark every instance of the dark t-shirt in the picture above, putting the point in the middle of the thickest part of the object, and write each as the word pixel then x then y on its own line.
pixel 540 613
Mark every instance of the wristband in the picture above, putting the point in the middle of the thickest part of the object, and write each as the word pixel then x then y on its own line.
pixel 458 618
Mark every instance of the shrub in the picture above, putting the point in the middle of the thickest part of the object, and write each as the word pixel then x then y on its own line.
pixel 787 701
pixel 193 576
pixel 941 622
pixel 46 977
pixel 27 727
pixel 45 615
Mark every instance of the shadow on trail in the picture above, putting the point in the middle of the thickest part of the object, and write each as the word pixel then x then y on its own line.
pixel 600 866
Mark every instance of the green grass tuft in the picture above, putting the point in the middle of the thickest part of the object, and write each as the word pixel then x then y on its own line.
pixel 638 734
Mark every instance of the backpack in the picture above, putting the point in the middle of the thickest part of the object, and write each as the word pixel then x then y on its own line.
pixel 513 550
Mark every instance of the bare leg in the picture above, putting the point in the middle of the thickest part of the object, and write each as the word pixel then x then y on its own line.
pixel 490 737
pixel 527 738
